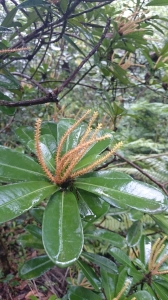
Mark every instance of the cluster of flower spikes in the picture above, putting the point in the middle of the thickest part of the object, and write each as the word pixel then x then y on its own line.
pixel 153 266
pixel 65 164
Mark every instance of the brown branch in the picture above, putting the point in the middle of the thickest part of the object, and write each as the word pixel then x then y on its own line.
pixel 42 100
pixel 31 80
pixel 161 185
pixel 52 96
pixel 72 76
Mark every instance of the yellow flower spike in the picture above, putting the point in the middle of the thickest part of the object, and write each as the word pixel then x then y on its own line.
pixel 66 163
pixel 72 157
pixel 152 253
pixel 97 162
pixel 153 267
pixel 158 265
pixel 122 290
pixel 67 133
pixel 88 130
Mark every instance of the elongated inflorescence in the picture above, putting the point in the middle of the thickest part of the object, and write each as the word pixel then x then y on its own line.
pixel 153 265
pixel 66 163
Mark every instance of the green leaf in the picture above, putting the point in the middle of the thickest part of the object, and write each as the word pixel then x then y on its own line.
pixel 35 267
pixel 162 221
pixel 134 234
pixel 37 214
pixel 85 211
pixel 16 166
pixel 6 110
pixel 102 262
pixel 137 262
pixel 122 280
pixel 34 230
pixel 108 283
pixel 9 18
pixel 157 3
pixel 111 175
pixel 28 240
pixel 125 193
pixel 25 134
pixel 5 29
pixel 148 289
pixel 105 235
pixel 7 82
pixel 90 275
pixel 17 198
pixel 121 257
pixel 142 295
pixel 95 207
pixel 71 42
pixel 80 293
pixel 145 249
pixel 48 149
pixel 93 153
pixel 73 138
pixel 160 290
pixel 62 229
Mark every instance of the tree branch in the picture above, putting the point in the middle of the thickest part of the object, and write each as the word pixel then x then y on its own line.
pixel 161 185
pixel 52 96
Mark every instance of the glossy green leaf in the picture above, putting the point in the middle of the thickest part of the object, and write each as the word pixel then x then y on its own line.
pixel 7 82
pixel 111 175
pixel 48 149
pixel 9 18
pixel 62 229
pixel 90 275
pixel 28 240
pixel 121 257
pixel 92 154
pixel 16 166
pixel 25 134
pixel 17 198
pixel 135 274
pixel 95 207
pixel 102 262
pixel 6 110
pixel 80 293
pixel 142 295
pixel 35 267
pixel 162 221
pixel 70 41
pixel 5 29
pixel 37 214
pixel 157 3
pixel 145 249
pixel 49 128
pixel 137 262
pixel 160 290
pixel 73 138
pixel 134 234
pixel 123 278
pixel 106 235
pixel 34 230
pixel 108 283
pixel 150 290
pixel 85 211
pixel 125 193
